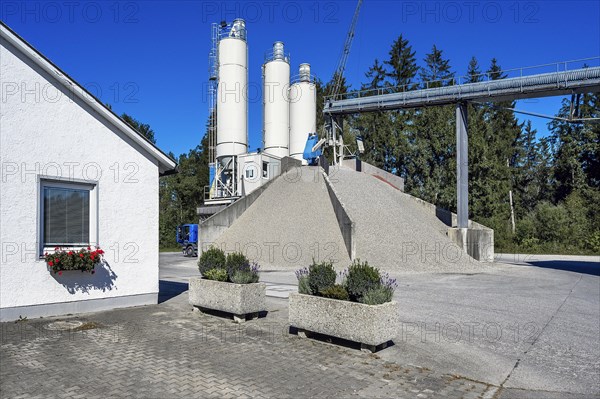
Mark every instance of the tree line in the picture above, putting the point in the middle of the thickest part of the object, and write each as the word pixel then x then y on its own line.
pixel 539 194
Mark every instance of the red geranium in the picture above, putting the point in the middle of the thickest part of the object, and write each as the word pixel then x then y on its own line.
pixel 62 260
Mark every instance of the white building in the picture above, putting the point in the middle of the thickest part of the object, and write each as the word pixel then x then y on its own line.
pixel 58 142
pixel 255 170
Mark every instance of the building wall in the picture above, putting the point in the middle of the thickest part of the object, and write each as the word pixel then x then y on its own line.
pixel 46 130
pixel 254 163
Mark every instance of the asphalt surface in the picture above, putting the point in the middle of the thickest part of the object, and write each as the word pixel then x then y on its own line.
pixel 529 325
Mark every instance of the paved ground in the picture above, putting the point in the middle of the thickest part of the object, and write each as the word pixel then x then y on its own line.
pixel 168 351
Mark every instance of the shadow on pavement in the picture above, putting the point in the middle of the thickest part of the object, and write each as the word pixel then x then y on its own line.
pixel 170 289
pixel 592 268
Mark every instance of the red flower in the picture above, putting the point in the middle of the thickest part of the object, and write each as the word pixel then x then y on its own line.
pixel 89 248
pixel 100 251
pixel 81 255
pixel 50 263
pixel 70 252
pixel 60 273
pixel 57 260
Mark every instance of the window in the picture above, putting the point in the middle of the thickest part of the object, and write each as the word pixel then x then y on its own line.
pixel 249 173
pixel 67 214
pixel 265 170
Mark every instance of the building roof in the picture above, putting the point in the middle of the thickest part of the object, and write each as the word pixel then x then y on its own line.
pixel 165 164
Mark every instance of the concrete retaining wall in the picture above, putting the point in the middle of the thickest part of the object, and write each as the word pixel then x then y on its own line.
pixel 344 221
pixel 361 166
pixel 477 240
pixel 478 243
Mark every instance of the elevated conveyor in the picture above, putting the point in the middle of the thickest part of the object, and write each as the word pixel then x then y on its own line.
pixel 582 80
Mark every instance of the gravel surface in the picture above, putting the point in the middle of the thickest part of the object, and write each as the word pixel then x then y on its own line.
pixel 291 223
pixel 395 233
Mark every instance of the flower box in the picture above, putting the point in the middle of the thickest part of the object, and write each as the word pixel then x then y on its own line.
pixel 238 299
pixel 372 326
pixel 84 260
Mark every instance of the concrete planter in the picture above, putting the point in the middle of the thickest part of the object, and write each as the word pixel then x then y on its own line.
pixel 238 299
pixel 371 325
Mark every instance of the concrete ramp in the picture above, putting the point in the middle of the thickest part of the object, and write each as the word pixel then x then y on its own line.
pixel 393 231
pixel 292 222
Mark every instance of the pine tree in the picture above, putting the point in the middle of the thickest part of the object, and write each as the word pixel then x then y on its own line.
pixel 437 71
pixel 432 161
pixel 478 146
pixel 402 63
pixel 525 161
pixel 375 127
pixel 577 158
pixel 473 71
pixel 502 132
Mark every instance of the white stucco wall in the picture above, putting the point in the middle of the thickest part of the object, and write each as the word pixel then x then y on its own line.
pixel 45 130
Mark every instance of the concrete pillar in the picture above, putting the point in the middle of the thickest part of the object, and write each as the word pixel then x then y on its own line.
pixel 462 166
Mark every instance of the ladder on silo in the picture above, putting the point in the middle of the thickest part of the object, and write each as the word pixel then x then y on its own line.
pixel 213 84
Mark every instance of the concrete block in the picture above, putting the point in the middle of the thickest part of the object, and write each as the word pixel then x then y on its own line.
pixel 347 227
pixel 239 299
pixel 371 325
pixel 478 243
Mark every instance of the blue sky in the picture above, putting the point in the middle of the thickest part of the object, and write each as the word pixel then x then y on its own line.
pixel 150 58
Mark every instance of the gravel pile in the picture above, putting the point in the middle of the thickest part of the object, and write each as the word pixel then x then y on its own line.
pixel 395 233
pixel 291 223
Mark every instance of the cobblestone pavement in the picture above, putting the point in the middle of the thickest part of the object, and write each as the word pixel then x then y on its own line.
pixel 170 351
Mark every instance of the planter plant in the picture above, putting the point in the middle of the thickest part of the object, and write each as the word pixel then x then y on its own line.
pixel 228 284
pixel 360 308
pixel 84 259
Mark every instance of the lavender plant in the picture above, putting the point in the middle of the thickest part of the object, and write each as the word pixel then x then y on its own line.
pixel 246 276
pixel 303 286
pixel 381 294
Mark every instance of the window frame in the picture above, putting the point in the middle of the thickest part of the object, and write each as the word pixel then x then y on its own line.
pixel 75 184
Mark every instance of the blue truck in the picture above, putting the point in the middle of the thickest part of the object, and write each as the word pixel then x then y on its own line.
pixel 187 237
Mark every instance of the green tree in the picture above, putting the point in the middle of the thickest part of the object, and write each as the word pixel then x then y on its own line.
pixel 181 194
pixel 143 128
pixel 402 64
pixel 577 158
pixel 432 161
pixel 437 71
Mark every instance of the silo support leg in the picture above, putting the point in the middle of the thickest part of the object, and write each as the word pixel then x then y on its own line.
pixel 462 167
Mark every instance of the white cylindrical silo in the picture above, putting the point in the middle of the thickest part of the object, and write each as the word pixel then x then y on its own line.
pixel 276 105
pixel 232 99
pixel 303 111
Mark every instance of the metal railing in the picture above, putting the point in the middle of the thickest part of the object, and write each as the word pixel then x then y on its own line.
pixel 523 72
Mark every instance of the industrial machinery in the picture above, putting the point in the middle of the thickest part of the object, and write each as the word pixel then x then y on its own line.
pixel 289 115
pixel 229 75
pixel 276 102
pixel 313 150
pixel 303 111
pixel 187 237
pixel 335 140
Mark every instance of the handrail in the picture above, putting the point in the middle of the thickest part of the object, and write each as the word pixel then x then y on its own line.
pixel 457 81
